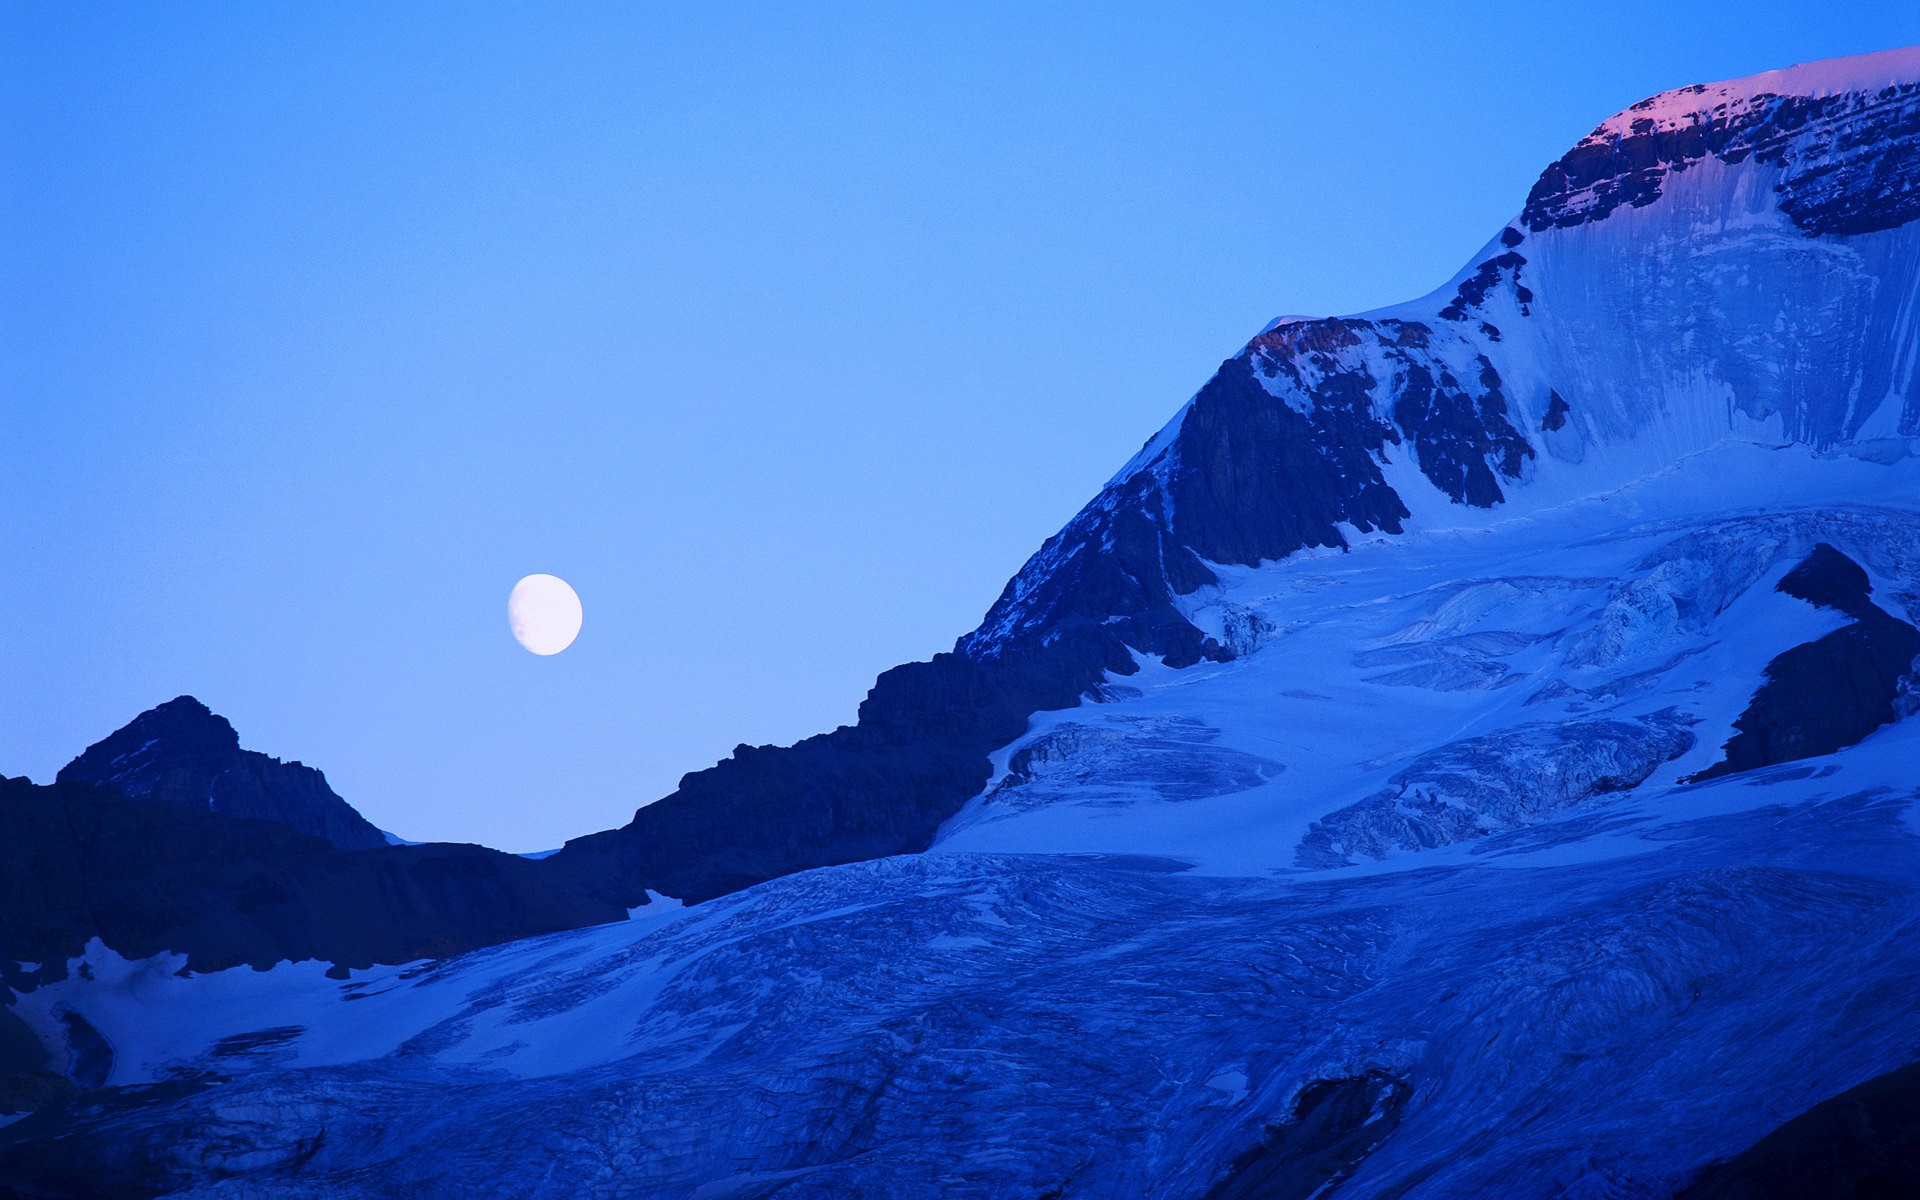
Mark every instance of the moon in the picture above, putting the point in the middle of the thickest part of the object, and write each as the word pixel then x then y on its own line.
pixel 544 613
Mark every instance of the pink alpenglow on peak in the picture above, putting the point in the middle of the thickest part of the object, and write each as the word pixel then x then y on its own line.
pixel 1831 142
pixel 1860 73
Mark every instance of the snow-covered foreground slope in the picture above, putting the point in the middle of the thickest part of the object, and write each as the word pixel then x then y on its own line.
pixel 1492 775
pixel 1592 1008
pixel 1128 969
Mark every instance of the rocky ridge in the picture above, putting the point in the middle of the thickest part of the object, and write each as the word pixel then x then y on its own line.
pixel 1547 364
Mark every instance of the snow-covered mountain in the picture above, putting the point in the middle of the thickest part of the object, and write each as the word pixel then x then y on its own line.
pixel 1724 262
pixel 1463 753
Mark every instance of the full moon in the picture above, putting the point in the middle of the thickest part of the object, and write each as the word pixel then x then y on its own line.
pixel 544 613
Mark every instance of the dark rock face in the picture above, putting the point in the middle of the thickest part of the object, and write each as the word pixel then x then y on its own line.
pixel 1247 477
pixel 1254 478
pixel 1462 440
pixel 1457 429
pixel 1478 286
pixel 1829 693
pixel 880 787
pixel 1845 158
pixel 1827 578
pixel 1556 415
pixel 91 1054
pixel 1863 1144
pixel 181 753
pixel 1278 452
pixel 79 861
pixel 28 1080
pixel 1334 1125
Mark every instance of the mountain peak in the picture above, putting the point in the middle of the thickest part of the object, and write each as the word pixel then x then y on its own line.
pixel 1858 74
pixel 1835 133
pixel 135 758
pixel 1772 218
pixel 182 752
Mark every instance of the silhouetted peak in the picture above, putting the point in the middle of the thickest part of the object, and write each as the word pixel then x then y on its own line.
pixel 136 757
pixel 182 752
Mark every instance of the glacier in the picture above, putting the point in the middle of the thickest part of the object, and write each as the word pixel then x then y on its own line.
pixel 1390 858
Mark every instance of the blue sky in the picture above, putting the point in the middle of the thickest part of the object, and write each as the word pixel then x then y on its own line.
pixel 783 333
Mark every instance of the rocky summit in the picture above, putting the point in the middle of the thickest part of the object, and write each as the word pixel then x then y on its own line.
pixel 1466 752
pixel 182 753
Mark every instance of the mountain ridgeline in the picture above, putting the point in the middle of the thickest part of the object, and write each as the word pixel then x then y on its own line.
pixel 1466 752
pixel 167 836
pixel 1793 195
pixel 1772 218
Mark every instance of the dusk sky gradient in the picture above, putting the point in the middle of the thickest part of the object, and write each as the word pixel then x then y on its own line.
pixel 784 334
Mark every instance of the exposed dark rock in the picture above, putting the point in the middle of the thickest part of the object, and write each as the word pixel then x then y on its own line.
pixel 1827 578
pixel 1556 414
pixel 1474 291
pixel 1845 156
pixel 20 1051
pixel 27 1078
pixel 181 753
pixel 1461 440
pixel 1826 694
pixel 880 787
pixel 1255 479
pixel 1279 451
pixel 1334 1125
pixel 1863 1144
pixel 90 1055
pixel 79 862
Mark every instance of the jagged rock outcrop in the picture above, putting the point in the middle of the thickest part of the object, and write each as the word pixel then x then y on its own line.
pixel 881 786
